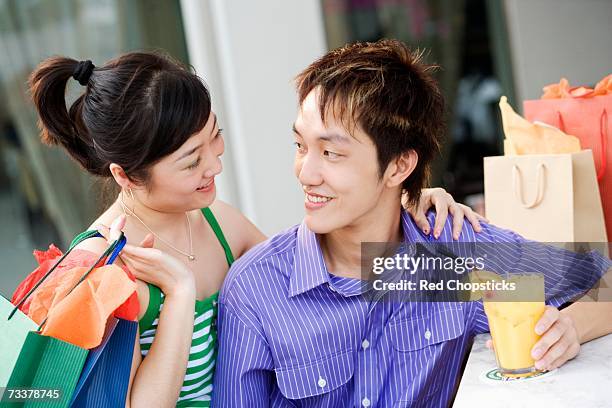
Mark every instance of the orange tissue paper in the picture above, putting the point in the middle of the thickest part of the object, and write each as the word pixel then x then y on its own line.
pixel 80 317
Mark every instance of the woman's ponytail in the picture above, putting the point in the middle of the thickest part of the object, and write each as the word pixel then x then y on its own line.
pixel 58 127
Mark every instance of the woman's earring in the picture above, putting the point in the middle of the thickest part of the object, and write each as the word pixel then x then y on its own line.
pixel 133 199
pixel 126 210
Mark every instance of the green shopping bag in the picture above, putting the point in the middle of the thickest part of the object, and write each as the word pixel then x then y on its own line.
pixel 44 363
pixel 14 333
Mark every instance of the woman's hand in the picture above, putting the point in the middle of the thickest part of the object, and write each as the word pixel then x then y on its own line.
pixel 559 342
pixel 153 265
pixel 444 204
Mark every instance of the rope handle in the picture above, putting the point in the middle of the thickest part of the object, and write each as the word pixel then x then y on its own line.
pixel 603 135
pixel 518 193
pixel 113 250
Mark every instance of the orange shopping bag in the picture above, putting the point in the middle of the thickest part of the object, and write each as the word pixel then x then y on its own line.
pixel 587 114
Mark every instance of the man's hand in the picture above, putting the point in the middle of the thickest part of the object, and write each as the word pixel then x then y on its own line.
pixel 444 204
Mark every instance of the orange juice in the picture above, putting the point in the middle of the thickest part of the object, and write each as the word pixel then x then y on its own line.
pixel 512 319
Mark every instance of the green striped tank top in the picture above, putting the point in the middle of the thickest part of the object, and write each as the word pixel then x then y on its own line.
pixel 197 385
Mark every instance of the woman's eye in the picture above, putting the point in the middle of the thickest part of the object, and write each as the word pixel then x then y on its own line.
pixel 194 165
pixel 219 133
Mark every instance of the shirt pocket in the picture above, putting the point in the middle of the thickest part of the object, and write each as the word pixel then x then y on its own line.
pixel 417 333
pixel 317 377
pixel 419 356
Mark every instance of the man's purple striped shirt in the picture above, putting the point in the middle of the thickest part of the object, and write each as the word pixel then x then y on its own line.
pixel 293 335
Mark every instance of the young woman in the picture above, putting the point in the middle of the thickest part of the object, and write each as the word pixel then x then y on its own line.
pixel 145 123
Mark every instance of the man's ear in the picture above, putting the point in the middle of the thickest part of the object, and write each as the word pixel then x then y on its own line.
pixel 121 178
pixel 400 168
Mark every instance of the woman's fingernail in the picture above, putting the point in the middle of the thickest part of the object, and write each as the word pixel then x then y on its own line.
pixel 536 352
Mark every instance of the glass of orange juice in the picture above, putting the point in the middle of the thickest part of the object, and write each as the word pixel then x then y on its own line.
pixel 512 319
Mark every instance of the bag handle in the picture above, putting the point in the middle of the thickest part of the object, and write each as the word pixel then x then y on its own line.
pixel 603 135
pixel 113 250
pixel 518 193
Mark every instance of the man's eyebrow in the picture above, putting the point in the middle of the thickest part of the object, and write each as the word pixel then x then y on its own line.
pixel 192 151
pixel 332 137
pixel 295 130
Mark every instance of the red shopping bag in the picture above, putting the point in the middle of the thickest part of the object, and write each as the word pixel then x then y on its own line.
pixel 589 118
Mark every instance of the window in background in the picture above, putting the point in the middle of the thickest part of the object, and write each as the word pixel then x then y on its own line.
pixel 468 40
pixel 44 196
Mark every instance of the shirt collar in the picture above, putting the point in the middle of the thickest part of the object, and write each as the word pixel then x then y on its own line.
pixel 309 270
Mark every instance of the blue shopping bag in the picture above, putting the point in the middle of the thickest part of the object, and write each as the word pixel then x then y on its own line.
pixel 106 374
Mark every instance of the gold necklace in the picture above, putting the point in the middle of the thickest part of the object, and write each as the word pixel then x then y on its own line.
pixel 189 255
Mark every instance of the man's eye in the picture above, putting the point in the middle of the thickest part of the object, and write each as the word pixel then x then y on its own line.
pixel 331 155
pixel 298 146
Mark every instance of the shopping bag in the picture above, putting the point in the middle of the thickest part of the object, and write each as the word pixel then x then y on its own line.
pixel 545 197
pixel 82 258
pixel 78 314
pixel 50 364
pixel 12 336
pixel 106 374
pixel 45 362
pixel 590 120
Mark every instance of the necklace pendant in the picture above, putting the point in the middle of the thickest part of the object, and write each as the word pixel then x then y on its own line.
pixel 191 258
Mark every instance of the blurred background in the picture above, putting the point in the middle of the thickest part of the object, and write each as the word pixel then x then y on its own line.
pixel 248 53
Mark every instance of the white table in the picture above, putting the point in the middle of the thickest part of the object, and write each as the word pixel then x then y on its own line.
pixel 585 381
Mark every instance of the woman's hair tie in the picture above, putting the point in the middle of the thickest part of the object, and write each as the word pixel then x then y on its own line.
pixel 82 71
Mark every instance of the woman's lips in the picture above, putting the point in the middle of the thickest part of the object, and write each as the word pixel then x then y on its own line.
pixel 207 188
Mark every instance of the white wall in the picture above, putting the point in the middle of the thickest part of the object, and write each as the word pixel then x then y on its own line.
pixel 248 53
pixel 550 39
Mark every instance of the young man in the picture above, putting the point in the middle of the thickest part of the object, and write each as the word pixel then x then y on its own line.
pixel 295 326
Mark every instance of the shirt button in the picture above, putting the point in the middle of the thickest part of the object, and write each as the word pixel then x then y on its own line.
pixel 214 302
pixel 322 383
pixel 427 334
pixel 365 402
pixel 365 344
